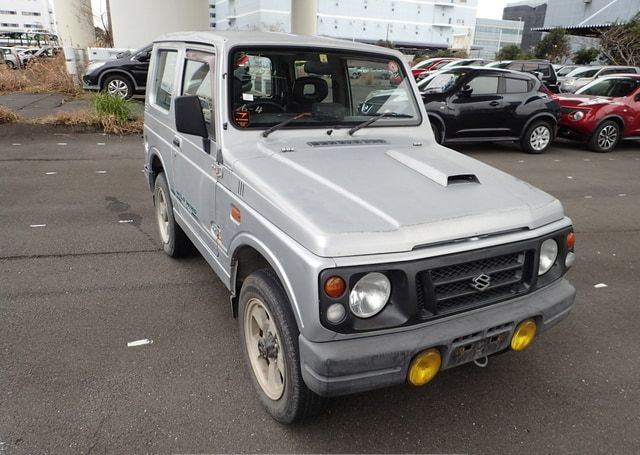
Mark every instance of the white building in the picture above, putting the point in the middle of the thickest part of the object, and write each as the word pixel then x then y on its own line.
pixel 137 23
pixel 491 35
pixel 26 16
pixel 420 23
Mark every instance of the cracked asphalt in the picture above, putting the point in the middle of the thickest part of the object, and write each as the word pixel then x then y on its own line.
pixel 82 274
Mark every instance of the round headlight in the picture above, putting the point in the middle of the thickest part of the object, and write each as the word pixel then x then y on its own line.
pixel 548 256
pixel 577 116
pixel 370 294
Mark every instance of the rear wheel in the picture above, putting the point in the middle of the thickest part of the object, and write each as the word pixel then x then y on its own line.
pixel 605 137
pixel 537 138
pixel 270 344
pixel 174 241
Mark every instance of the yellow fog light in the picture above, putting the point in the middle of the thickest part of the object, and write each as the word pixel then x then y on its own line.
pixel 424 367
pixel 524 335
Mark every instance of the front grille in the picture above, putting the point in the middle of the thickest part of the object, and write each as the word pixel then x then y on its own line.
pixel 452 288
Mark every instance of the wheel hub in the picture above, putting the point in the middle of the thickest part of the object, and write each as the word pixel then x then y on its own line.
pixel 268 347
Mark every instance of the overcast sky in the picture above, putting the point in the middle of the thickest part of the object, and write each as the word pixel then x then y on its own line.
pixel 491 9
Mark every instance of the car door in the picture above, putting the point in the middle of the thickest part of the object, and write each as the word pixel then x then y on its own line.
pixel 634 108
pixel 195 157
pixel 139 66
pixel 478 114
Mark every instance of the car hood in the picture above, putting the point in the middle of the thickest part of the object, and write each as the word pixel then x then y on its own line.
pixel 345 200
pixel 572 100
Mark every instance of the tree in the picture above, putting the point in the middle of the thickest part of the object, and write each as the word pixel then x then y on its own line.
pixel 384 43
pixel 457 53
pixel 585 56
pixel 620 44
pixel 554 46
pixel 510 52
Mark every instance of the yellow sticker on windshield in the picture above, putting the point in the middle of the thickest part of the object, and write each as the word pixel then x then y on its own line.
pixel 323 58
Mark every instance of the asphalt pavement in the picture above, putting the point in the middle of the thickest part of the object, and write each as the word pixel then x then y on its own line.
pixel 82 275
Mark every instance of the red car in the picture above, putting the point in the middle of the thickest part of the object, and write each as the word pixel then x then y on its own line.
pixel 602 112
pixel 429 65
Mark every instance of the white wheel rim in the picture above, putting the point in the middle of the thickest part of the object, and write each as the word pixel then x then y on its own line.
pixel 607 137
pixel 263 346
pixel 162 215
pixel 118 87
pixel 540 138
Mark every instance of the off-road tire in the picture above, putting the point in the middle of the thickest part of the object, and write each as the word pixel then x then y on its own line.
pixel 174 241
pixel 296 401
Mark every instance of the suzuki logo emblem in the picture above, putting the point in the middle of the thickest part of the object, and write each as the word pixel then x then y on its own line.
pixel 481 282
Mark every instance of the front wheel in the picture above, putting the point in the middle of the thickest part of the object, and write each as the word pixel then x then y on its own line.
pixel 537 138
pixel 605 137
pixel 119 86
pixel 270 341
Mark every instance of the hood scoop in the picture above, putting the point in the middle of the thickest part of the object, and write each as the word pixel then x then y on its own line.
pixel 442 176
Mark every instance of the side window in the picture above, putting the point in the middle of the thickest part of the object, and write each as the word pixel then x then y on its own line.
pixel 513 85
pixel 484 85
pixel 544 69
pixel 164 77
pixel 197 81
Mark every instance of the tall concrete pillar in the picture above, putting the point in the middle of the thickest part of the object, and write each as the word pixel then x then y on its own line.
pixel 304 17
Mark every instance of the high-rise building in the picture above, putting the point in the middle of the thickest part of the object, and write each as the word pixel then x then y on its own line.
pixel 419 23
pixel 584 13
pixel 26 16
pixel 532 14
pixel 491 35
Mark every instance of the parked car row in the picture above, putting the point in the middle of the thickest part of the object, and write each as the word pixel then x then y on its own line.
pixel 18 57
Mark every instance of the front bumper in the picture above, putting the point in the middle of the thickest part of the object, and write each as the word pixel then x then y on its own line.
pixel 356 365
pixel 90 83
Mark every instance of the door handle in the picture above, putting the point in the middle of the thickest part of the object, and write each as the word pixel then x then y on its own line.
pixel 176 141
pixel 494 103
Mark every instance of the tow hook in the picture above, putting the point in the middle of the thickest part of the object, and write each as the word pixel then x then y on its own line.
pixel 481 362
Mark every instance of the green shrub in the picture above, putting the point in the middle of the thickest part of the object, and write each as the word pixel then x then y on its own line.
pixel 109 105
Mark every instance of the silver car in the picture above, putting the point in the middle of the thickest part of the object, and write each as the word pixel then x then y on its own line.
pixel 358 252
pixel 583 75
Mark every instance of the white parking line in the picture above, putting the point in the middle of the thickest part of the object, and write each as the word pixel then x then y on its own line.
pixel 139 342
pixel 50 173
pixel 61 143
pixel 125 221
pixel 100 143
pixel 101 172
pixel 37 225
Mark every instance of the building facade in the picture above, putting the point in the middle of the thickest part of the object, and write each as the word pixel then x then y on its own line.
pixel 26 16
pixel 570 13
pixel 532 13
pixel 419 23
pixel 491 35
pixel 137 23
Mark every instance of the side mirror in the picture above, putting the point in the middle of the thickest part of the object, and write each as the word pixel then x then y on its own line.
pixel 144 58
pixel 189 117
pixel 466 91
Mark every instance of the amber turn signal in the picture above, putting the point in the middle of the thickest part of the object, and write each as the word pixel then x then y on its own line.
pixel 334 287
pixel 235 214
pixel 571 240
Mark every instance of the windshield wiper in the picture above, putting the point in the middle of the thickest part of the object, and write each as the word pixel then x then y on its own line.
pixel 376 118
pixel 277 126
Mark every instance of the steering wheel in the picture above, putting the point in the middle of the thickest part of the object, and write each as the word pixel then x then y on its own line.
pixel 267 107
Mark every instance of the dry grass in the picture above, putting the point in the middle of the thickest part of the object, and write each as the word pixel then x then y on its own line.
pixel 8 116
pixel 41 75
pixel 108 123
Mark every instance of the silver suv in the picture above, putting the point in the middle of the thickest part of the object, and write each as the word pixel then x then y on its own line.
pixel 358 252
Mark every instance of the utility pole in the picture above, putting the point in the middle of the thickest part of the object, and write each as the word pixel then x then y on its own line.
pixel 304 17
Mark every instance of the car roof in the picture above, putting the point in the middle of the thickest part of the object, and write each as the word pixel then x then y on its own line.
pixel 489 70
pixel 251 38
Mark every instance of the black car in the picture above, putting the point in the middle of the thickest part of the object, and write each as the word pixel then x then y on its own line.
pixel 471 104
pixel 541 68
pixel 123 77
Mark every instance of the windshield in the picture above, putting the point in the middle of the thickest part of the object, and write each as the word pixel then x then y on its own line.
pixel 441 82
pixel 614 88
pixel 583 72
pixel 272 85
pixel 565 70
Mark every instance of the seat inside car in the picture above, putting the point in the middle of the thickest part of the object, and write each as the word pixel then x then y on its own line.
pixel 307 91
